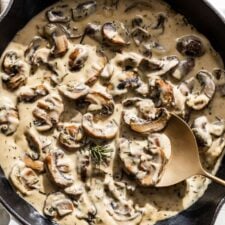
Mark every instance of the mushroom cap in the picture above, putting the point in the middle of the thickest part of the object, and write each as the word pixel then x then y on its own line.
pixel 190 45
pixel 56 165
pixel 57 15
pixel 58 204
pixel 104 130
pixel 74 90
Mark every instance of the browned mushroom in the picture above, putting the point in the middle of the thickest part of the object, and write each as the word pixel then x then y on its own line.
pixel 23 178
pixel 16 70
pixel 59 169
pixel 74 90
pixel 47 112
pixel 9 117
pixel 58 204
pixel 106 129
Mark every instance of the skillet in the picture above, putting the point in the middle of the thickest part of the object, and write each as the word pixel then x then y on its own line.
pixel 199 13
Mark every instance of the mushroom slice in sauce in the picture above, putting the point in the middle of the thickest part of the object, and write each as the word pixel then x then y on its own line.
pixel 100 102
pixel 71 135
pixel 155 67
pixel 151 119
pixel 146 159
pixel 23 178
pixel 117 204
pixel 32 93
pixel 115 33
pixel 162 93
pixel 140 35
pixel 9 117
pixel 184 68
pixel 78 57
pixel 203 130
pixel 203 93
pixel 36 51
pixel 58 168
pixel 47 112
pixel 58 15
pixel 106 129
pixel 58 204
pixel 57 39
pixel 36 165
pixel 84 9
pixel 15 70
pixel 190 45
pixel 74 90
pixel 153 125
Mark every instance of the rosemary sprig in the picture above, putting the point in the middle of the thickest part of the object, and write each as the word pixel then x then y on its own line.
pixel 99 153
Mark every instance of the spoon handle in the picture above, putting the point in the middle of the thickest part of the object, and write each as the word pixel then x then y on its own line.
pixel 213 178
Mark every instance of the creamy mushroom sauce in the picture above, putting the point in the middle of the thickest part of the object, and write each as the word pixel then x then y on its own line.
pixel 117 64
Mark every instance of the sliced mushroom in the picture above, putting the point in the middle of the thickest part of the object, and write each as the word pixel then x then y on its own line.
pixel 150 47
pixel 36 165
pixel 115 33
pixel 138 4
pixel 203 130
pixel 162 93
pixel 57 39
pixel 152 125
pixel 16 70
pixel 33 93
pixel 75 191
pixel 140 35
pixel 57 15
pixel 71 135
pixel 38 145
pixel 9 117
pixel 191 46
pixel 47 112
pixel 101 130
pixel 34 143
pixel 94 31
pixel 23 178
pixel 58 168
pixel 100 103
pixel 200 97
pixel 84 9
pixel 74 90
pixel 58 204
pixel 145 160
pixel 117 205
pixel 184 68
pixel 154 67
pixel 151 119
pixel 36 51
pixel 78 57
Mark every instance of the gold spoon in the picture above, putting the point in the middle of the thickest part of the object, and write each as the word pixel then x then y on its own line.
pixel 184 161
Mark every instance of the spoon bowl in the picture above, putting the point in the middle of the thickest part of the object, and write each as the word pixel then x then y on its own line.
pixel 184 161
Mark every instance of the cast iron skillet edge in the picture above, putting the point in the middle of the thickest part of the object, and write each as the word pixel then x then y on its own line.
pixel 204 17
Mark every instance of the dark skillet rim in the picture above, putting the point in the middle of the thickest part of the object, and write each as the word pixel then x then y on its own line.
pixel 6 10
pixel 22 219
